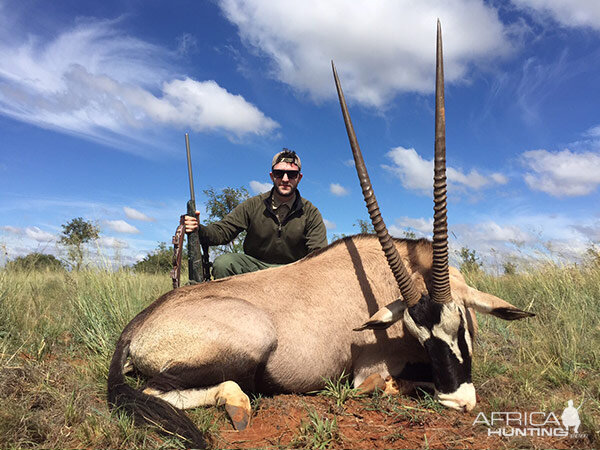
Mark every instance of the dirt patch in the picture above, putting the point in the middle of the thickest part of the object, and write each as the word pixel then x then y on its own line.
pixel 395 422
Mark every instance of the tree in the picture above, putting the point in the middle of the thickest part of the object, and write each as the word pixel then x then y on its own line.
pixel 365 226
pixel 160 260
pixel 35 261
pixel 510 268
pixel 470 261
pixel 409 234
pixel 220 204
pixel 76 233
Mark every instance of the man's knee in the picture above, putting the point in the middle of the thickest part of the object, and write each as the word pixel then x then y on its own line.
pixel 226 265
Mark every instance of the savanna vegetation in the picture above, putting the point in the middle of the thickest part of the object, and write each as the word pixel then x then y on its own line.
pixel 58 329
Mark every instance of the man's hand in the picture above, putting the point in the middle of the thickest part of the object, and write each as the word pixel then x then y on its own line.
pixel 191 223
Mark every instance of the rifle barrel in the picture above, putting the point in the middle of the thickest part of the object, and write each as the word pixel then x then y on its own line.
pixel 189 161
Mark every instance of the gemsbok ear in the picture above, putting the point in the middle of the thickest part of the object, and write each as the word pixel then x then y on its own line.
pixel 510 313
pixel 490 304
pixel 483 302
pixel 385 317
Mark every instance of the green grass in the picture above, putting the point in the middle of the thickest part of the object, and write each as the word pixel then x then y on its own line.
pixel 339 390
pixel 541 362
pixel 57 334
pixel 317 432
pixel 58 331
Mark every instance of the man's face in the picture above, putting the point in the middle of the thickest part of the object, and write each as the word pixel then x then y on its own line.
pixel 284 182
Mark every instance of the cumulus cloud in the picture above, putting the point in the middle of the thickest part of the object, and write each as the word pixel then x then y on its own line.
pixel 120 226
pixel 590 231
pixel 12 230
pixel 111 242
pixel 498 178
pixel 258 188
pixel 97 82
pixel 338 189
pixel 562 173
pixel 329 224
pixel 493 233
pixel 420 226
pixel 494 242
pixel 38 235
pixel 593 132
pixel 34 233
pixel 134 214
pixel 416 173
pixel 380 47
pixel 570 13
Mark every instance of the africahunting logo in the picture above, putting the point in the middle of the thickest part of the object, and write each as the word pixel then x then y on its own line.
pixel 536 423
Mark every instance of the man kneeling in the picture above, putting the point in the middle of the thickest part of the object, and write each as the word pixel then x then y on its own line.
pixel 282 227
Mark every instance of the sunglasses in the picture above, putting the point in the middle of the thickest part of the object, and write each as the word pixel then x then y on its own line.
pixel 292 174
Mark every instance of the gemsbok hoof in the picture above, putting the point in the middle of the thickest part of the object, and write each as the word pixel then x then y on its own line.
pixel 239 416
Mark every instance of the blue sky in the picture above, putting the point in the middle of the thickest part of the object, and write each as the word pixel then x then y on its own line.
pixel 95 99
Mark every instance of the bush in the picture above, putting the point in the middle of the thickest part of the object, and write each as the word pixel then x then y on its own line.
pixel 35 261
pixel 469 261
pixel 160 260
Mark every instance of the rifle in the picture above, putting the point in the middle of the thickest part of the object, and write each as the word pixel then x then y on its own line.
pixel 198 262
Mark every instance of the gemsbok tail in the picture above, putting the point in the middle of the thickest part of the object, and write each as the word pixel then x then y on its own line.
pixel 146 408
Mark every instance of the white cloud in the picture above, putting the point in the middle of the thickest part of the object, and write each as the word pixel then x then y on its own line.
pixel 570 13
pixel 593 132
pixel 416 173
pixel 134 214
pixel 492 232
pixel 120 226
pixel 569 250
pixel 563 173
pixel 329 224
pixel 499 178
pixel 97 82
pixel 186 43
pixel 206 106
pixel 338 189
pixel 38 235
pixel 380 47
pixel 421 225
pixel 258 187
pixel 590 231
pixel 111 242
pixel 12 230
pixel 495 243
pixel 34 233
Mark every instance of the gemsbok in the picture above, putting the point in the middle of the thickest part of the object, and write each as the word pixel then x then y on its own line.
pixel 290 328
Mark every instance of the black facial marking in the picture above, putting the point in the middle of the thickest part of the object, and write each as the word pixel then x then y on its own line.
pixel 447 371
pixel 426 312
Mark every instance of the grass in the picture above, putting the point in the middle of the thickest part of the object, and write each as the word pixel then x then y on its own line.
pixel 394 407
pixel 317 432
pixel 58 330
pixel 339 390
pixel 57 333
pixel 541 362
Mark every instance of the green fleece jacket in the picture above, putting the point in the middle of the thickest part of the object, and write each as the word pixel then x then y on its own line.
pixel 301 232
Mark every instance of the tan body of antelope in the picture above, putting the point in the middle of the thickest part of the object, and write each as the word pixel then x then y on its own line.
pixel 290 328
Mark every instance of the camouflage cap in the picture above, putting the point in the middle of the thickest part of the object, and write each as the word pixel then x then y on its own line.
pixel 288 156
